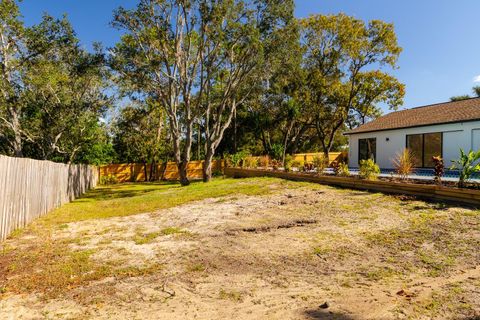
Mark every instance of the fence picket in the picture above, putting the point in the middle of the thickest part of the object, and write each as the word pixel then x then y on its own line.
pixel 31 188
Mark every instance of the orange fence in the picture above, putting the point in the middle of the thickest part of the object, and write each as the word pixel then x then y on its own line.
pixel 332 156
pixel 169 171
pixel 131 172
pixel 266 161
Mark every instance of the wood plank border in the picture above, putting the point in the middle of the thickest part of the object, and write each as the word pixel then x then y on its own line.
pixel 431 192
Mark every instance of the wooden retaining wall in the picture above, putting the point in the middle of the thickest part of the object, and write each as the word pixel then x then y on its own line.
pixel 132 172
pixel 31 188
pixel 434 192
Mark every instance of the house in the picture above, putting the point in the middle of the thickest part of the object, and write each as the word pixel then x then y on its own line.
pixel 437 129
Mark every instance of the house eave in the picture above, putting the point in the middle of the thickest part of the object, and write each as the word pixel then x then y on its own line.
pixel 408 127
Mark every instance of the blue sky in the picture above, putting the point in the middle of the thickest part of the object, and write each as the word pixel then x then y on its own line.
pixel 439 37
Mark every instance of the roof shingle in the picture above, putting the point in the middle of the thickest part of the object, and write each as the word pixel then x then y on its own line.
pixel 447 112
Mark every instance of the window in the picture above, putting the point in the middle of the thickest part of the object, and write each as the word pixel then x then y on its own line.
pixel 424 147
pixel 367 149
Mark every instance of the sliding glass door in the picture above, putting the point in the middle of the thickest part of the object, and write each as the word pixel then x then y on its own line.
pixel 424 147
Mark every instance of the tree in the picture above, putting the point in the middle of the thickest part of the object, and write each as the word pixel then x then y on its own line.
pixel 11 63
pixel 476 92
pixel 159 57
pixel 64 91
pixel 194 58
pixel 339 54
pixel 140 135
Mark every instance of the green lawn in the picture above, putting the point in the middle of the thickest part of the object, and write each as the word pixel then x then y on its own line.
pixel 133 198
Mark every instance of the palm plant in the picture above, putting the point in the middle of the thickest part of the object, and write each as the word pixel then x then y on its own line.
pixel 467 164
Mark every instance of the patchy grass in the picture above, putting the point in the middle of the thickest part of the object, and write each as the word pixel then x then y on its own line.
pixel 357 244
pixel 51 266
pixel 133 198
pixel 232 295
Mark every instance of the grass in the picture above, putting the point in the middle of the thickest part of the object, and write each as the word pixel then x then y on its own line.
pixel 145 238
pixel 51 266
pixel 133 198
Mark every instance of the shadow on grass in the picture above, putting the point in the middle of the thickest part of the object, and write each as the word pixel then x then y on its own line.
pixel 324 314
pixel 127 190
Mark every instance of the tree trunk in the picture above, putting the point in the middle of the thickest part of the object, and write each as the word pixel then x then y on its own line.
pixel 207 165
pixel 17 142
pixel 145 171
pixel 182 171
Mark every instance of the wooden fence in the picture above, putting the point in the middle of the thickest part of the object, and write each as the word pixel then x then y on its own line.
pixel 136 171
pixel 31 188
pixel 266 161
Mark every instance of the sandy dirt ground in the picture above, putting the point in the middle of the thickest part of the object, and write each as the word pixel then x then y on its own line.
pixel 304 252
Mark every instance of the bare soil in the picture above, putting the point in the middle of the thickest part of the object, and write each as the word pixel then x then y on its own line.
pixel 305 252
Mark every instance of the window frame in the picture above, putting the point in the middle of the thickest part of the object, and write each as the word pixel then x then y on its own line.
pixel 375 153
pixel 423 145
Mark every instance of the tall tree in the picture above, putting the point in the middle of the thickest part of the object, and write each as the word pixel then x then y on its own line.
pixel 159 57
pixel 194 58
pixel 11 63
pixel 65 91
pixel 339 55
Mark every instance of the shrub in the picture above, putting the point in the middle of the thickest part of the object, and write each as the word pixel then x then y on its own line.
pixel 404 162
pixel 263 161
pixel 288 162
pixel 238 158
pixel 467 164
pixel 276 164
pixel 368 169
pixel 439 169
pixel 340 169
pixel 251 162
pixel 320 163
pixel 110 179
pixel 297 164
pixel 277 151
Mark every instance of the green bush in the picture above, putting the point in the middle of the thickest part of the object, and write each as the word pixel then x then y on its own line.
pixel 277 151
pixel 369 169
pixel 320 163
pixel 341 169
pixel 110 179
pixel 288 162
pixel 467 164
pixel 297 164
pixel 238 158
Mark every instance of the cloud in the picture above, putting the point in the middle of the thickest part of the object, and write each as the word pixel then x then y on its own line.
pixel 476 79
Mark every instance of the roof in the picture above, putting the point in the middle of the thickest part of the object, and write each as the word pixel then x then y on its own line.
pixel 440 113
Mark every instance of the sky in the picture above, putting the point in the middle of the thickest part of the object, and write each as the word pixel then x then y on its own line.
pixel 441 51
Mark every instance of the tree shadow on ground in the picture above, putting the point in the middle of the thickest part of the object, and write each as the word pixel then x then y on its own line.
pixel 127 190
pixel 319 314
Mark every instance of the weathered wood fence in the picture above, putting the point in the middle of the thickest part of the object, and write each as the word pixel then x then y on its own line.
pixel 31 188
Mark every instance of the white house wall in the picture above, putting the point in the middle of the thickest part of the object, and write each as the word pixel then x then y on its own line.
pixel 465 135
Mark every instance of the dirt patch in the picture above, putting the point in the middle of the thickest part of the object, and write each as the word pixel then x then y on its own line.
pixel 303 252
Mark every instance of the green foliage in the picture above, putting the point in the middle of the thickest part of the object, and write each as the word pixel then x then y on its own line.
pixel 468 164
pixel 320 163
pixel 110 179
pixel 288 162
pixel 460 98
pixel 277 151
pixel 239 158
pixel 369 169
pixel 344 80
pixel 341 169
